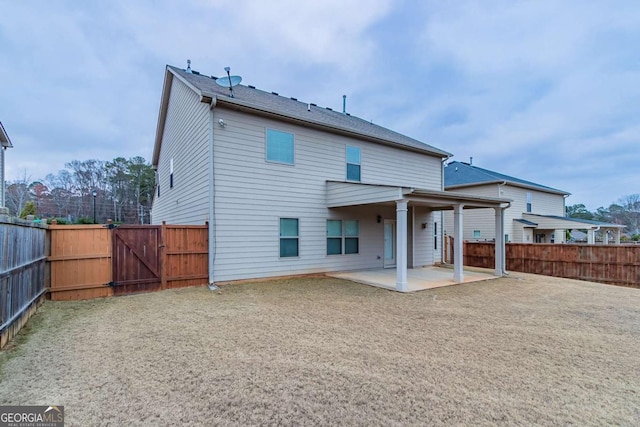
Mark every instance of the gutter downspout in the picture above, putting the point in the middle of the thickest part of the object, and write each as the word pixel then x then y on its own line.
pixel 212 234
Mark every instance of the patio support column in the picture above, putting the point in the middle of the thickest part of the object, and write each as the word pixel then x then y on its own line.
pixel 458 261
pixel 591 236
pixel 617 236
pixel 401 242
pixel 605 237
pixel 499 249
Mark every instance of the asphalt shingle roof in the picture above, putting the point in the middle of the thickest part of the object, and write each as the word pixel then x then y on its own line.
pixel 291 107
pixel 459 174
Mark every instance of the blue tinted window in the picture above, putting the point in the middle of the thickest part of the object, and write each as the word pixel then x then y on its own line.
pixel 353 163
pixel 280 146
pixel 289 237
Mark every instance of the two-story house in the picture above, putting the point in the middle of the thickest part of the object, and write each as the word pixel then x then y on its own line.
pixel 536 214
pixel 5 143
pixel 288 187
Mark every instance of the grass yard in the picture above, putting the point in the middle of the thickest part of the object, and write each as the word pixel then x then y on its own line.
pixel 515 351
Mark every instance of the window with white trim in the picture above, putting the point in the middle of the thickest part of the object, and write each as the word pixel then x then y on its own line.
pixel 476 234
pixel 343 237
pixel 171 173
pixel 529 197
pixel 353 163
pixel 289 237
pixel 280 147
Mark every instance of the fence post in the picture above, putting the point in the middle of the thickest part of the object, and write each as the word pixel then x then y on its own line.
pixel 163 256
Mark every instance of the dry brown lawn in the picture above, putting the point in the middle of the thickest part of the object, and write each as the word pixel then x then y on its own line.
pixel 522 350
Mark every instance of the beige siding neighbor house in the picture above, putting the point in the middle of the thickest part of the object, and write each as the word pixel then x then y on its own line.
pixel 536 214
pixel 5 143
pixel 288 187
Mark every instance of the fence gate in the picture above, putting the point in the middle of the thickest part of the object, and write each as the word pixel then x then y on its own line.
pixel 136 258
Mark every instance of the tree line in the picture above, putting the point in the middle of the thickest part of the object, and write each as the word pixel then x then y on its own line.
pixel 626 211
pixel 120 190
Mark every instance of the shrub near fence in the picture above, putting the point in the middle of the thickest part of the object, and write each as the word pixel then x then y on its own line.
pixel 613 264
pixel 22 273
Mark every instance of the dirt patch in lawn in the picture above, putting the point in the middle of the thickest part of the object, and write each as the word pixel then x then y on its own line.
pixel 520 350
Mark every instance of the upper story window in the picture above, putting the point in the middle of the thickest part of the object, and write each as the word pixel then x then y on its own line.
pixel 353 163
pixel 280 147
pixel 528 202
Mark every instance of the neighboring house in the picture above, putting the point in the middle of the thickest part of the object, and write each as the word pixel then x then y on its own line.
pixel 289 187
pixel 5 143
pixel 536 214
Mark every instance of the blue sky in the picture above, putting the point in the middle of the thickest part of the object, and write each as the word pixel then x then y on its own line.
pixel 547 91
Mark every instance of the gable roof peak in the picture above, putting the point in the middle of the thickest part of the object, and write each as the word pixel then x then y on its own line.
pixel 261 102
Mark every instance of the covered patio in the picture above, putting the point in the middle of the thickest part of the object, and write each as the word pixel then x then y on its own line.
pixel 418 279
pixel 347 194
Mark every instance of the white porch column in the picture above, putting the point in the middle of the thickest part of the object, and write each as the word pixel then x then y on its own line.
pixel 458 261
pixel 401 242
pixel 617 236
pixel 591 236
pixel 605 237
pixel 499 249
pixel 560 236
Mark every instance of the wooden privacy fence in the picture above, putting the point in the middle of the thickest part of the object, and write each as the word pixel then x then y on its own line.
pixel 613 264
pixel 91 261
pixel 22 274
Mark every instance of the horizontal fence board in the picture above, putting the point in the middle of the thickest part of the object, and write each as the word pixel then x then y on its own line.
pixel 613 264
pixel 81 259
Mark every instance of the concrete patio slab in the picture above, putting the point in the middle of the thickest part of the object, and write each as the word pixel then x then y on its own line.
pixel 418 279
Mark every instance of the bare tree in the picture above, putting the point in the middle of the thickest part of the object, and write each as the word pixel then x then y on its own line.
pixel 18 194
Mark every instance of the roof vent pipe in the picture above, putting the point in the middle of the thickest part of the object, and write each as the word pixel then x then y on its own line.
pixel 344 104
pixel 470 161
pixel 188 70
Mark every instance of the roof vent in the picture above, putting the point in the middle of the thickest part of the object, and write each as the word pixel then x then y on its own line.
pixel 330 109
pixel 251 87
pixel 188 70
pixel 344 104
pixel 295 99
pixel 313 105
pixel 275 93
pixel 470 161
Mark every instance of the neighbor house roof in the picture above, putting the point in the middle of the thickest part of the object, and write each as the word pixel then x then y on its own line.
pixel 525 222
pixel 460 174
pixel 5 142
pixel 271 104
pixel 584 221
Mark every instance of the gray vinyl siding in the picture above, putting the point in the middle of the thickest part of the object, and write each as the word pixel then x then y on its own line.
pixel 484 219
pixel 347 194
pixel 423 253
pixel 251 195
pixel 185 140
